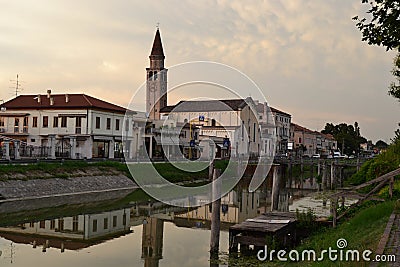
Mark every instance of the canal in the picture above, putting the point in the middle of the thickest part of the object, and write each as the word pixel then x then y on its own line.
pixel 128 230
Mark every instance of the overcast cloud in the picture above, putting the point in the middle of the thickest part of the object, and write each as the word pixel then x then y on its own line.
pixel 305 55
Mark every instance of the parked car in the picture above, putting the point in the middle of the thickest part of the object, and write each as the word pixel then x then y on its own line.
pixel 316 156
pixel 336 155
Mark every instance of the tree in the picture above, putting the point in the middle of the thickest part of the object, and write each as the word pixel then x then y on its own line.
pixel 396 136
pixel 384 26
pixel 347 136
pixel 381 144
pixel 383 29
pixel 394 89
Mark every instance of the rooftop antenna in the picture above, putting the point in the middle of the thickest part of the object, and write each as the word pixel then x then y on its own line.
pixel 17 84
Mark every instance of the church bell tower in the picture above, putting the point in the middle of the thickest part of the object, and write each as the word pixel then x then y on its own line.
pixel 156 85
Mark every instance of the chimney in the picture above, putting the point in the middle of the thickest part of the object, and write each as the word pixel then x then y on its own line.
pixel 38 98
pixel 51 101
pixel 66 98
pixel 48 93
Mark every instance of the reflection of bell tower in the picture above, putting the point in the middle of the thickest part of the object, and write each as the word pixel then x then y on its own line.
pixel 156 85
pixel 152 241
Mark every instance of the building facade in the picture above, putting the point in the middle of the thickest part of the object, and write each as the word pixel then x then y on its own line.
pixel 68 126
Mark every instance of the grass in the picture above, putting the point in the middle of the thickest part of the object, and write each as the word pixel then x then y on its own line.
pixel 69 169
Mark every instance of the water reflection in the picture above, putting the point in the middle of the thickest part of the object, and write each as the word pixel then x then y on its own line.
pixel 152 241
pixel 123 232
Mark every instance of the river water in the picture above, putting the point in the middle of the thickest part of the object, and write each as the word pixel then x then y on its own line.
pixel 128 230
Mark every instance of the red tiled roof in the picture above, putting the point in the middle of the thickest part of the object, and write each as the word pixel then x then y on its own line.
pixel 75 101
pixel 298 128
pixel 274 110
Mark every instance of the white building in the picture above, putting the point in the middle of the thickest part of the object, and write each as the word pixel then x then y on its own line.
pixel 68 125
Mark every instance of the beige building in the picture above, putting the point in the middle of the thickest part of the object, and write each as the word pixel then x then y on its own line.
pixel 73 126
pixel 308 142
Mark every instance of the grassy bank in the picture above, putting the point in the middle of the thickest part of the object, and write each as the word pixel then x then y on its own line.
pixel 362 231
pixel 70 169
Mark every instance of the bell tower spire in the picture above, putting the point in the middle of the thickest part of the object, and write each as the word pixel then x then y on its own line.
pixel 156 86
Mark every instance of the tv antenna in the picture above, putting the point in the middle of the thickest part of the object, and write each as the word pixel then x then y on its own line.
pixel 17 84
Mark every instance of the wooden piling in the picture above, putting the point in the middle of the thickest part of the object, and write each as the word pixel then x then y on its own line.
pixel 215 215
pixel 333 176
pixel 324 185
pixel 275 188
pixel 334 211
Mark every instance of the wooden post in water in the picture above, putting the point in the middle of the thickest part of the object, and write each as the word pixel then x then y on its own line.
pixel 301 174
pixel 334 211
pixel 211 170
pixel 324 176
pixel 275 188
pixel 333 176
pixel 215 215
pixel 290 174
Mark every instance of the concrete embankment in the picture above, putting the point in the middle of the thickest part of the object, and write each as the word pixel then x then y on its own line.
pixel 18 195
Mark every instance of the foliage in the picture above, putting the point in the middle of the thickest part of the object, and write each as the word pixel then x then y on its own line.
pixel 383 163
pixel 396 136
pixel 381 144
pixel 384 26
pixel 383 29
pixel 347 135
pixel 306 218
pixel 394 89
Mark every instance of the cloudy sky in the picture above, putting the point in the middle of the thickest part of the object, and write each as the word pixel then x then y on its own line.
pixel 305 55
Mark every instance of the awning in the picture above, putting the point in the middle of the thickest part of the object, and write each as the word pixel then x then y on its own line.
pixel 103 138
pixel 14 114
pixel 167 140
pixel 72 115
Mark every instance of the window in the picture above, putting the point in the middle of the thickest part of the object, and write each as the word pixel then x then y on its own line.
pixel 97 122
pixel 16 125
pixel 52 224
pixel 105 223
pixel 117 124
pixel 124 219
pixel 25 125
pixel 94 226
pixel 75 223
pixel 254 132
pixel 1 122
pixel 45 121
pixel 114 221
pixel 78 125
pixel 108 125
pixel 60 224
pixel 42 224
pixel 64 122
pixel 55 122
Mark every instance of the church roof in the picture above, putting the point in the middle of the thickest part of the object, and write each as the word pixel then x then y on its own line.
pixel 157 49
pixel 206 105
